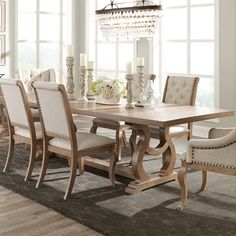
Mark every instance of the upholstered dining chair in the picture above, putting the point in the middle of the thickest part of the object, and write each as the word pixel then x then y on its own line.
pixel 21 125
pixel 119 126
pixel 60 136
pixel 179 90
pixel 216 154
pixel 27 76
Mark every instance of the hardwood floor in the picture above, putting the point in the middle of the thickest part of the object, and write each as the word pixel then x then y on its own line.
pixel 21 216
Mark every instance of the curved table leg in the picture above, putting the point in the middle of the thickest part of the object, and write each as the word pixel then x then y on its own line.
pixel 169 155
pixel 138 151
pixel 166 148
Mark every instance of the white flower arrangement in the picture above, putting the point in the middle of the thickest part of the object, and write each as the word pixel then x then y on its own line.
pixel 108 88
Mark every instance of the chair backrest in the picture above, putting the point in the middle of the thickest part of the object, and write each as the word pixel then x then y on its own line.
pixel 31 75
pixel 180 90
pixel 56 116
pixel 16 102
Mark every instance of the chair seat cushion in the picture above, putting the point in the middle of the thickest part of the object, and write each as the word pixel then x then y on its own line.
pixel 174 130
pixel 101 122
pixel 26 133
pixel 84 141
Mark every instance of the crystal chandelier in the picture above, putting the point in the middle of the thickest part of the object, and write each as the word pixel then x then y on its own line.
pixel 129 22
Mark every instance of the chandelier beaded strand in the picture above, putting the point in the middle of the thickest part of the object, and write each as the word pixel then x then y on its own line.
pixel 129 22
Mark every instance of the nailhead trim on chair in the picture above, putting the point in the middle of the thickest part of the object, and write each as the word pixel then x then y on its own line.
pixel 212 164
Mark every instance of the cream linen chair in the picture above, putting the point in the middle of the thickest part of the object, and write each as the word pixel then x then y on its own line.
pixel 216 154
pixel 60 136
pixel 20 121
pixel 179 90
pixel 27 76
pixel 119 126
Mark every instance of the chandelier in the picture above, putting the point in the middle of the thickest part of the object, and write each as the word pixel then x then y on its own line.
pixel 129 22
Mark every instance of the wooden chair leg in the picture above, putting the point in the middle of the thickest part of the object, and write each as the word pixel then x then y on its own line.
pixel 43 168
pixel 112 166
pixel 204 180
pixel 73 169
pixel 10 154
pixel 31 161
pixel 39 151
pixel 119 142
pixel 81 166
pixel 125 142
pixel 183 187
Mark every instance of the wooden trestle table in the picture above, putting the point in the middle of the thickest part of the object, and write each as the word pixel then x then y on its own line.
pixel 164 117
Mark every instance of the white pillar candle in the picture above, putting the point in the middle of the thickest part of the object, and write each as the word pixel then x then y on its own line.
pixel 140 61
pixel 83 59
pixel 90 65
pixel 129 68
pixel 70 51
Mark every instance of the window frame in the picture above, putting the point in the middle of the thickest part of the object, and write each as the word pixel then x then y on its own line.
pixel 188 41
pixel 62 43
pixel 96 41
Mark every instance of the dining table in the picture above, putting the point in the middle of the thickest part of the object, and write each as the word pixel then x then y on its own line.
pixel 163 116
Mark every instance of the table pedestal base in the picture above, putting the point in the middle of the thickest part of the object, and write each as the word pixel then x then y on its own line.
pixel 126 171
pixel 137 187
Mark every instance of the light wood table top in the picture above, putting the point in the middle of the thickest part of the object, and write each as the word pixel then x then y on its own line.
pixel 164 115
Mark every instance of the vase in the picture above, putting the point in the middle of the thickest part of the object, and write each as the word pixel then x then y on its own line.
pixel 115 100
pixel 148 98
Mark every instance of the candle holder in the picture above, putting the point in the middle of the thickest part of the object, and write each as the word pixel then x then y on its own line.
pixel 140 83
pixel 89 94
pixel 82 84
pixel 70 82
pixel 129 104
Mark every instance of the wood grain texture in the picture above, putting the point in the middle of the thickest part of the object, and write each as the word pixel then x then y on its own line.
pixel 164 115
pixel 21 216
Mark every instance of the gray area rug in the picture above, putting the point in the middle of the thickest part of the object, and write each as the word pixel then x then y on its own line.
pixel 109 210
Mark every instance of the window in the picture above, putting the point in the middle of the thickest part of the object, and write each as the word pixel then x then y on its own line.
pixel 110 56
pixel 185 45
pixel 43 33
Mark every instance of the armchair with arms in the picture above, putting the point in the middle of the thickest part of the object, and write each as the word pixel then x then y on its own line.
pixel 216 154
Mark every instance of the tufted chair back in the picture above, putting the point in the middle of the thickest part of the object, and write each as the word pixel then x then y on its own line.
pixel 54 109
pixel 16 102
pixel 180 90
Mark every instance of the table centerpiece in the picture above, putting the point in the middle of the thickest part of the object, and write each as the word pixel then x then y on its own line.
pixel 109 91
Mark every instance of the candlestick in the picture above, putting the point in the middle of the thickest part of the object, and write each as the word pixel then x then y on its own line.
pixel 90 65
pixel 129 68
pixel 90 94
pixel 82 83
pixel 70 51
pixel 129 104
pixel 140 61
pixel 70 82
pixel 140 84
pixel 83 59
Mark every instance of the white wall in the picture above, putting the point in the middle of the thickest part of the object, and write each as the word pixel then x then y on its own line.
pixel 6 68
pixel 79 35
pixel 227 55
